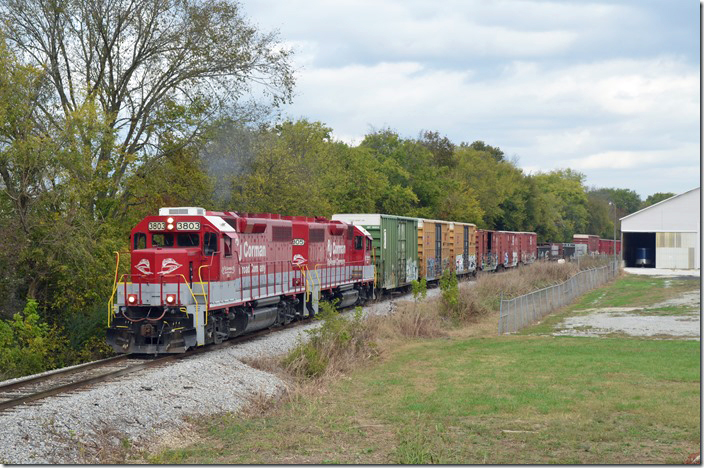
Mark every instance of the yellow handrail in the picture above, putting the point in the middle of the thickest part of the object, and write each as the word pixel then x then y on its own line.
pixel 111 312
pixel 194 298
pixel 114 288
pixel 304 270
pixel 317 276
pixel 317 265
pixel 202 288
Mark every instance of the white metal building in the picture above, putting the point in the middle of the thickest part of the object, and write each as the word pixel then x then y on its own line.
pixel 664 235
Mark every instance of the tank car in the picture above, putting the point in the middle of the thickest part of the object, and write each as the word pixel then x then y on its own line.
pixel 199 277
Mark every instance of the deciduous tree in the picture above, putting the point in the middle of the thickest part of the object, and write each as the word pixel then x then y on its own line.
pixel 152 67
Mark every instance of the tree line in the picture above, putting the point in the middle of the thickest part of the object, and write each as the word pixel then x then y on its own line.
pixel 110 110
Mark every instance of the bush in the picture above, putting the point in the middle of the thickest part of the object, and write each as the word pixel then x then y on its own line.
pixel 419 289
pixel 332 347
pixel 450 294
pixel 29 345
pixel 86 334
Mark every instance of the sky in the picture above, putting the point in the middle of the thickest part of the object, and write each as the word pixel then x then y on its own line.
pixel 608 88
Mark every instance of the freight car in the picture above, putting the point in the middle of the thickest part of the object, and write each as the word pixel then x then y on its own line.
pixel 434 248
pixel 497 250
pixel 394 247
pixel 570 251
pixel 440 246
pixel 606 247
pixel 199 277
pixel 590 240
pixel 464 248
pixel 550 251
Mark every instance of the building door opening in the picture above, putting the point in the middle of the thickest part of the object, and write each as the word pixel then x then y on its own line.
pixel 639 249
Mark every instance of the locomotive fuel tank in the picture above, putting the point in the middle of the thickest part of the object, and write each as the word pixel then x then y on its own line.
pixel 348 298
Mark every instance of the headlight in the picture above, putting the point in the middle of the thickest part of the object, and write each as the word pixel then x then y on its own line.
pixel 132 299
pixel 170 220
pixel 170 299
pixel 170 227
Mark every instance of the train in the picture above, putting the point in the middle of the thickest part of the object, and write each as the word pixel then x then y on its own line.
pixel 583 244
pixel 199 277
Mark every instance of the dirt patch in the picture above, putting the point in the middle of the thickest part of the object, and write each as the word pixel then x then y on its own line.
pixel 639 321
pixel 688 299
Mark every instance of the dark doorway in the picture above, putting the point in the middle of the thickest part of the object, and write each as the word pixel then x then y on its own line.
pixel 637 247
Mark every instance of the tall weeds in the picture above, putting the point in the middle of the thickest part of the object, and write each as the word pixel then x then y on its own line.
pixel 484 297
pixel 341 342
pixel 333 347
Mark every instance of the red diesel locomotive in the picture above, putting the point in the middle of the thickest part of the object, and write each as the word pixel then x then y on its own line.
pixel 200 277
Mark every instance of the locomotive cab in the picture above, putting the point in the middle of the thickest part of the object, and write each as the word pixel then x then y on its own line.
pixel 168 253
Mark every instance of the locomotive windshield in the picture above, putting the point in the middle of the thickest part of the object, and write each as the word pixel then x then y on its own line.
pixel 183 239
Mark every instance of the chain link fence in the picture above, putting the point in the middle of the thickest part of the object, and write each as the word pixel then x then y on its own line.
pixel 523 310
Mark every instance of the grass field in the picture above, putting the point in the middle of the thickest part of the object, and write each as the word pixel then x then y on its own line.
pixel 530 398
pixel 642 292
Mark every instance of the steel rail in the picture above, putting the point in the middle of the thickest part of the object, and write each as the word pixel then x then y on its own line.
pixel 56 390
pixel 59 372
pixel 67 387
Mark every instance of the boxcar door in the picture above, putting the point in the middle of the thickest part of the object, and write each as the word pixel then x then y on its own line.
pixel 465 248
pixel 438 250
pixel 401 230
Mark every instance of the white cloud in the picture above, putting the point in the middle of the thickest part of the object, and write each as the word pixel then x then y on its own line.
pixel 633 159
pixel 538 79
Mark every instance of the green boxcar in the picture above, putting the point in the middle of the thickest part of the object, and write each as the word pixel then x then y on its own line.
pixel 395 242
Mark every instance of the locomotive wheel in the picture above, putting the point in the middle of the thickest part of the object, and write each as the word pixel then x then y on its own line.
pixel 220 330
pixel 217 337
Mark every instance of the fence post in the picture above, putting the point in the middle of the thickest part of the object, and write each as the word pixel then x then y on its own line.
pixel 501 311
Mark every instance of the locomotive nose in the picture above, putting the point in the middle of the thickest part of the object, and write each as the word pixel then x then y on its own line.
pixel 160 262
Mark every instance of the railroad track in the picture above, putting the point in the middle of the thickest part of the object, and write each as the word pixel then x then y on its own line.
pixel 29 390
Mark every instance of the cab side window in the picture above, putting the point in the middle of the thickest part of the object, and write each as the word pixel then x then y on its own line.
pixel 228 246
pixel 358 243
pixel 369 244
pixel 210 243
pixel 140 240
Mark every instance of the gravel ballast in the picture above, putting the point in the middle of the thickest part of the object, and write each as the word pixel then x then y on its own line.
pixel 148 404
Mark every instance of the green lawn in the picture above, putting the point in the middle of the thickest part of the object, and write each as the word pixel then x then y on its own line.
pixel 636 291
pixel 511 399
pixel 579 400
pixel 626 291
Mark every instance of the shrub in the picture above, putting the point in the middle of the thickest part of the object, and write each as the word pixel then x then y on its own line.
pixel 86 334
pixel 29 345
pixel 332 347
pixel 450 294
pixel 419 289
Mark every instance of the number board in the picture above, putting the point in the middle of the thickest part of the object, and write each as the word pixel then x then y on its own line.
pixel 157 226
pixel 299 241
pixel 188 226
